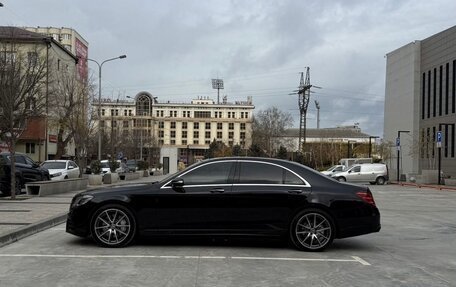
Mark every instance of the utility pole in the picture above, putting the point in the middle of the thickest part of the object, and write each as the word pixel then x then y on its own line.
pixel 304 95
pixel 317 105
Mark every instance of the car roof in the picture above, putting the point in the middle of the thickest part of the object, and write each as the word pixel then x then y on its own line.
pixel 56 160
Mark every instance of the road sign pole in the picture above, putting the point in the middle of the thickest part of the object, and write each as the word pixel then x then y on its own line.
pixel 439 146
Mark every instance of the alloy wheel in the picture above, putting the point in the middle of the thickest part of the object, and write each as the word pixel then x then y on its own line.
pixel 313 231
pixel 112 227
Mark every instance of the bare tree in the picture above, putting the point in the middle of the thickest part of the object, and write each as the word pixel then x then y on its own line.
pixel 22 78
pixel 268 125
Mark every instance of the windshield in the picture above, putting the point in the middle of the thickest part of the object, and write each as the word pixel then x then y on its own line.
pixel 54 165
pixel 104 165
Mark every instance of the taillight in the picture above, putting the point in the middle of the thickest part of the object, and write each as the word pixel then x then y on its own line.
pixel 366 196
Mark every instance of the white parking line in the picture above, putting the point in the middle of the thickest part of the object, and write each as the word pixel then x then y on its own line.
pixel 355 258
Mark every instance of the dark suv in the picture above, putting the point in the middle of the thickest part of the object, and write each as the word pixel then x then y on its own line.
pixel 26 171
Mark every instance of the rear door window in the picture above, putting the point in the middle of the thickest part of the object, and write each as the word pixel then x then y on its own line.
pixel 260 173
pixel 209 174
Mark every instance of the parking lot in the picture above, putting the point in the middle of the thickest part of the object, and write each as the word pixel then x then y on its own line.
pixel 416 247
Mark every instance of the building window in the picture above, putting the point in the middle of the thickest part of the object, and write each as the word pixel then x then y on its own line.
pixel 173 134
pixel 125 112
pixel 208 126
pixel 125 124
pixel 195 126
pixel 184 142
pixel 423 96
pixel 242 126
pixel 202 114
pixel 117 112
pixel 429 96
pixel 219 126
pixel 173 125
pixel 434 96
pixel 184 125
pixel 129 113
pixel 184 134
pixel 161 134
pixel 195 134
pixel 30 148
pixel 173 142
pixel 231 126
pixel 195 141
pixel 102 112
pixel 161 125
pixel 242 135
pixel 453 90
pixel 207 135
pixel 207 142
pixel 231 135
pixel 143 105
pixel 114 124
pixel 219 135
pixel 447 86
pixel 440 89
pixel 102 124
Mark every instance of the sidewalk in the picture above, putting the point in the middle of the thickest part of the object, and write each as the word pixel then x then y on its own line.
pixel 29 215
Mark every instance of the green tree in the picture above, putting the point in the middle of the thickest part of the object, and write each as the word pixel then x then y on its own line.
pixel 236 150
pixel 256 151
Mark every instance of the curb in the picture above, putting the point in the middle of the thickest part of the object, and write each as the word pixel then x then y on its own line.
pixel 20 233
pixel 438 187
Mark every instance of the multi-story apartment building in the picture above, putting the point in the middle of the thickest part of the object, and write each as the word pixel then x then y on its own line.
pixel 187 128
pixel 420 101
pixel 71 40
pixel 38 140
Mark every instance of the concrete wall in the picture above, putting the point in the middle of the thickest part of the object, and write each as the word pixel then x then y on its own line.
pixel 401 104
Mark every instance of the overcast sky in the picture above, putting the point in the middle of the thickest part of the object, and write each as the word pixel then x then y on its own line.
pixel 175 48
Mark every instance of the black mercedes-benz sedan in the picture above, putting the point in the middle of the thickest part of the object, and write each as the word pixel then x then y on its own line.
pixel 237 196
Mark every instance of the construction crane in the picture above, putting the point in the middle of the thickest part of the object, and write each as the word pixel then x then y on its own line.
pixel 304 95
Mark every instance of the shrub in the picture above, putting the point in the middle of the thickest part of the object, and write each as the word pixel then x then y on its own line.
pixel 113 164
pixel 95 167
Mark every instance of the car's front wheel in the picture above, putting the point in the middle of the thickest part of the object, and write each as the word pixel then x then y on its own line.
pixel 312 230
pixel 113 225
pixel 341 179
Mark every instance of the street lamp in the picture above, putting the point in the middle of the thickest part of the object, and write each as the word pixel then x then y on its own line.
pixel 99 97
pixel 370 145
pixel 398 145
pixel 439 146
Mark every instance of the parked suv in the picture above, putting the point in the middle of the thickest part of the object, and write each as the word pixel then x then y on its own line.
pixel 374 173
pixel 26 171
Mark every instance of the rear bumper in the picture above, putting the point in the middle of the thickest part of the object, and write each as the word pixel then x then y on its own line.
pixel 362 226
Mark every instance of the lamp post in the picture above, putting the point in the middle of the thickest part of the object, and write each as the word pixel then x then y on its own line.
pixel 370 144
pixel 439 146
pixel 99 97
pixel 398 146
pixel 348 147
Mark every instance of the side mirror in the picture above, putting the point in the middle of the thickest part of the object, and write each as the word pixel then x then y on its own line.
pixel 177 184
pixel 70 167
pixel 349 171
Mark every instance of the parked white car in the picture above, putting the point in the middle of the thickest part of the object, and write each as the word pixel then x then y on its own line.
pixel 334 169
pixel 61 169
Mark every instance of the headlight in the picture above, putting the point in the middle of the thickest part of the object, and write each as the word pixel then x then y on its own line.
pixel 81 200
pixel 56 174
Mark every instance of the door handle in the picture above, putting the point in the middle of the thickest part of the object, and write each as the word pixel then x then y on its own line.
pixel 295 191
pixel 218 190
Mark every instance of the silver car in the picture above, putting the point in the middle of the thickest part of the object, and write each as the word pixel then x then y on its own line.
pixel 374 173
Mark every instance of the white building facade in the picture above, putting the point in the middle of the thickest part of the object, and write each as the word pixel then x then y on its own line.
pixel 188 127
pixel 420 101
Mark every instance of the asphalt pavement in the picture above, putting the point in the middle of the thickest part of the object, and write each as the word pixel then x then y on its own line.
pixel 28 215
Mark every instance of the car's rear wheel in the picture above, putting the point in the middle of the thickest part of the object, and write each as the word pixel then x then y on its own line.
pixel 312 230
pixel 341 179
pixel 380 180
pixel 113 225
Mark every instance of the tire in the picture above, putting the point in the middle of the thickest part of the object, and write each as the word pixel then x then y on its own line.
pixel 341 179
pixel 113 225
pixel 312 230
pixel 380 180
